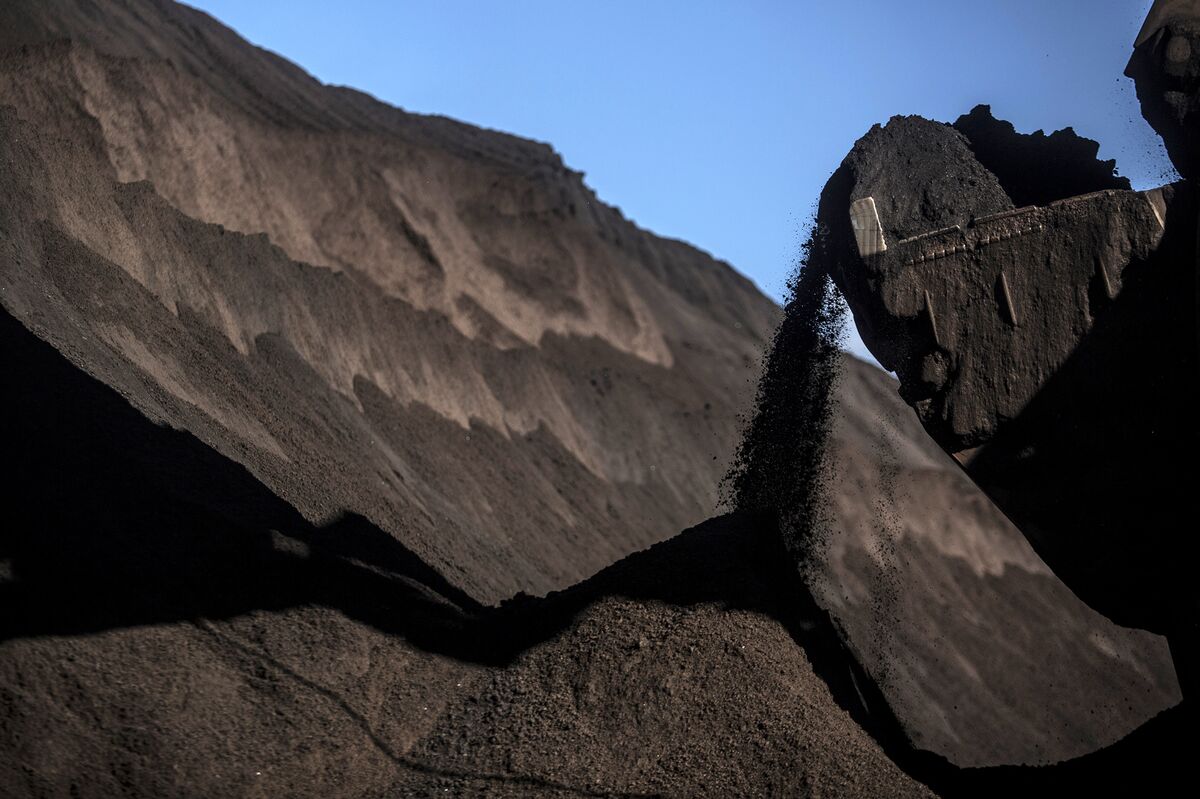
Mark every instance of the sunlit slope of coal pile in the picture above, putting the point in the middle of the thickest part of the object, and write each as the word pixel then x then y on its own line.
pixel 438 326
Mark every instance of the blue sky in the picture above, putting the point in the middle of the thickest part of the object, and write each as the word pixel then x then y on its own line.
pixel 719 122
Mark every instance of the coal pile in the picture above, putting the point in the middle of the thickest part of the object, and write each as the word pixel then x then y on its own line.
pixel 352 449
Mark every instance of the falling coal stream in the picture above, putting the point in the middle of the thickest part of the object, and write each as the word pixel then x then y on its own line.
pixel 779 468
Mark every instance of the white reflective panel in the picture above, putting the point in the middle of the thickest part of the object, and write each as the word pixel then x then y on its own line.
pixel 868 232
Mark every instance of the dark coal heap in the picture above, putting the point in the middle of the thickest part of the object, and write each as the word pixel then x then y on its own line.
pixel 352 447
pixel 1033 168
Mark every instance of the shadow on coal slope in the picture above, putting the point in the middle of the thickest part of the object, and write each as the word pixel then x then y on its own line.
pixel 115 521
